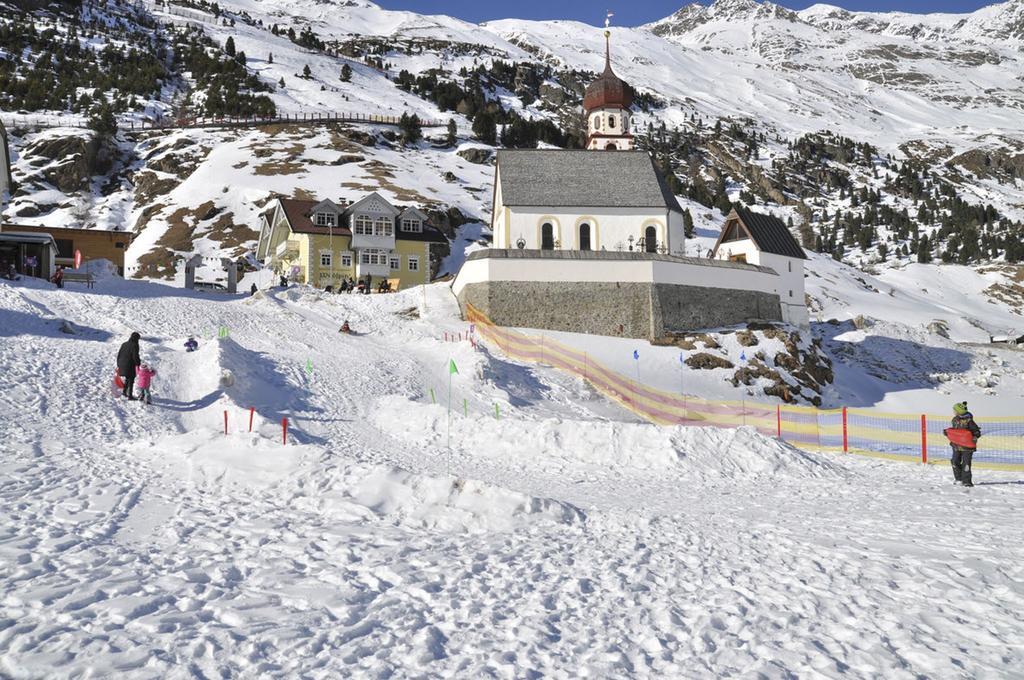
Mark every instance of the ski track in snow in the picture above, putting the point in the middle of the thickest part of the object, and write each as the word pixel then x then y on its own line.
pixel 141 542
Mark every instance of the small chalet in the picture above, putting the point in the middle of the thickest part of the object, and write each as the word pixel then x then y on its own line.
pixel 765 240
pixel 321 242
pixel 94 244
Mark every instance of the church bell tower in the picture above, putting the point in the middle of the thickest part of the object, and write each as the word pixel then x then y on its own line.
pixel 606 105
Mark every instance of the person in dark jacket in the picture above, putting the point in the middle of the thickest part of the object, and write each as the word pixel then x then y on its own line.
pixel 962 455
pixel 127 361
pixel 253 289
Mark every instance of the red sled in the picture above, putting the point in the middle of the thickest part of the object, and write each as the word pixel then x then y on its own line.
pixel 118 380
pixel 960 437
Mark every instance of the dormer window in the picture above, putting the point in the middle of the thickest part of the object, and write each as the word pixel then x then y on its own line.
pixel 412 225
pixel 324 219
pixel 363 225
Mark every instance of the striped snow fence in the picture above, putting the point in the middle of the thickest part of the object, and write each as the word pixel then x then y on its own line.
pixel 894 436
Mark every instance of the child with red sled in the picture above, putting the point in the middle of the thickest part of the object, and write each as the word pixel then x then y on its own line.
pixel 963 437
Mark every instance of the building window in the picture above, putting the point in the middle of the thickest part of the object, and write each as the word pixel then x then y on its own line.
pixel 584 236
pixel 547 237
pixel 790 266
pixel 597 122
pixel 395 263
pixel 383 226
pixel 325 220
pixel 733 232
pixel 65 247
pixel 363 225
pixel 414 263
pixel 119 244
pixel 346 259
pixel 611 147
pixel 790 293
pixel 373 256
pixel 611 122
pixel 651 240
pixel 412 225
pixel 325 259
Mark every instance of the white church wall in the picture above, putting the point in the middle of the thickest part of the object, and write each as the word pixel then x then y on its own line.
pixel 790 277
pixel 610 227
pixel 558 270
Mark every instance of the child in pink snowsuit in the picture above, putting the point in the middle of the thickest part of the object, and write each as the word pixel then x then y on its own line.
pixel 143 377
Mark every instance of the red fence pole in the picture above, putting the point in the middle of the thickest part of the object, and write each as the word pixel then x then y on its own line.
pixel 252 412
pixel 846 436
pixel 924 438
pixel 284 430
pixel 225 422
pixel 778 419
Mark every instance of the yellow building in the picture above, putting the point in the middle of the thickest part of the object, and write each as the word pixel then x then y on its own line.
pixel 321 243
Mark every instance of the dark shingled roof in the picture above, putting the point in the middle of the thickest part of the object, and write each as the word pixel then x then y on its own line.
pixel 298 214
pixel 770 234
pixel 563 178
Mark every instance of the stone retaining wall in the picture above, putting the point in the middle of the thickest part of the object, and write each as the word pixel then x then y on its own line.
pixel 633 310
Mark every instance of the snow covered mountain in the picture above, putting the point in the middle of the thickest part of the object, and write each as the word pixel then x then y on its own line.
pixel 734 98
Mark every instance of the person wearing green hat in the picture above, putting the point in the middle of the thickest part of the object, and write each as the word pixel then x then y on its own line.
pixel 963 450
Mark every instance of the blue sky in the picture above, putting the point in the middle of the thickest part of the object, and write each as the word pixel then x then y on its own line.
pixel 634 13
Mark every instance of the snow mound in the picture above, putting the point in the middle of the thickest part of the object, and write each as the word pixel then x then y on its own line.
pixel 692 452
pixel 316 480
pixel 746 453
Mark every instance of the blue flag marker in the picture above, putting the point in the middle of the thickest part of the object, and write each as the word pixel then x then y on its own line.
pixel 743 355
pixel 636 355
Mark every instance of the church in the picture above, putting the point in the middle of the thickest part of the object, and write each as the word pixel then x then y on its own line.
pixel 592 241
pixel 557 199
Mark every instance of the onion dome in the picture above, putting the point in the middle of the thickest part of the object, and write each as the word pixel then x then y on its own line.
pixel 608 90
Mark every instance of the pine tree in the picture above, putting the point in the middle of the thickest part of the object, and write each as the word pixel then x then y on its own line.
pixel 306 73
pixel 924 250
pixel 484 128
pixel 410 128
pixel 687 223
pixel 280 83
pixel 346 73
pixel 270 58
pixel 229 47
pixel 453 133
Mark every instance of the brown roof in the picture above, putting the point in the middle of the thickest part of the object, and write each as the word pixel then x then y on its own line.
pixel 35 229
pixel 608 89
pixel 298 215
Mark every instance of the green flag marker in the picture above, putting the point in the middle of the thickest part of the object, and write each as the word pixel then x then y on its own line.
pixel 452 368
pixel 465 407
pixel 309 365
pixel 497 413
pixel 432 399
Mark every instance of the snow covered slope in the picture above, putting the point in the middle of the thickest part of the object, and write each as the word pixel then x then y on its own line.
pixel 560 539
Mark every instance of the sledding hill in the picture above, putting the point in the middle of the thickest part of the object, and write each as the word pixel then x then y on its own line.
pixel 144 540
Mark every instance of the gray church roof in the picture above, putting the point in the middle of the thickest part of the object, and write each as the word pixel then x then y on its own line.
pixel 563 178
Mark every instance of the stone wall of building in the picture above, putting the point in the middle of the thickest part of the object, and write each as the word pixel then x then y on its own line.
pixel 632 310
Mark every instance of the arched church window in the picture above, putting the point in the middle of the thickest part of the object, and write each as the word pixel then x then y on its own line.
pixel 547 237
pixel 584 236
pixel 651 240
pixel 611 121
pixel 611 147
